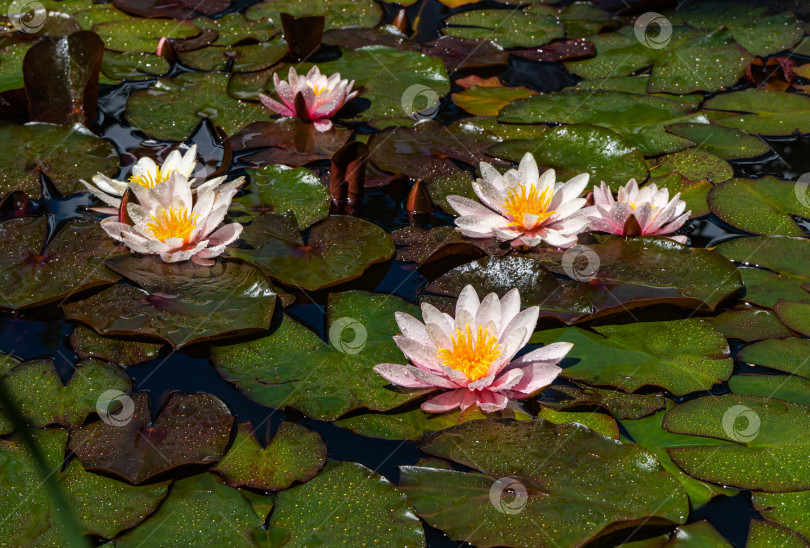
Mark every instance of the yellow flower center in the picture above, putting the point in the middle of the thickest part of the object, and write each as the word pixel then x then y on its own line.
pixel 318 89
pixel 146 180
pixel 173 223
pixel 522 203
pixel 471 354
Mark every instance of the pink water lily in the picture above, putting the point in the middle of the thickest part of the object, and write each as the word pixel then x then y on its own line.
pixel 523 206
pixel 320 97
pixel 647 211
pixel 471 357
pixel 171 221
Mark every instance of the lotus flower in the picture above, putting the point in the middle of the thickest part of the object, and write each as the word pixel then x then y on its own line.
pixel 170 221
pixel 145 173
pixel 321 97
pixel 471 356
pixel 523 207
pixel 648 211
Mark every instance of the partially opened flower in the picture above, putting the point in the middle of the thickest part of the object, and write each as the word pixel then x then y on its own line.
pixel 523 206
pixel 145 173
pixel 313 98
pixel 471 357
pixel 170 221
pixel 648 211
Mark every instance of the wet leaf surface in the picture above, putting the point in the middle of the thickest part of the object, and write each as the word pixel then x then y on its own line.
pixel 532 26
pixel 235 27
pixel 132 66
pixel 791 510
pixel 761 111
pixel 764 533
pixel 794 315
pixel 782 387
pixel 727 143
pixel 89 344
pixel 621 405
pixel 247 58
pixel 287 141
pixel 749 324
pixel 141 34
pixel 340 13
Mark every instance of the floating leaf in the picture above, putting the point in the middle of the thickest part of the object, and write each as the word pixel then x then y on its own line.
pixel 791 510
pixel 794 315
pixel 192 429
pixel 181 303
pixel 245 58
pixel 339 249
pixel 699 533
pixel 132 66
pixel 765 534
pixel 11 62
pixel 288 141
pixel 694 164
pixel 584 18
pixel 489 100
pixel 567 479
pixel 292 366
pixel 681 356
pixel 509 28
pixel 727 143
pixel 339 13
pixel 72 261
pixel 346 505
pixel 598 422
pixel 761 111
pixel 235 27
pixel 89 344
pixel 783 387
pixel 465 53
pixel 749 324
pixel 141 34
pixel 295 454
pixel 789 355
pixel 754 438
pixel 621 405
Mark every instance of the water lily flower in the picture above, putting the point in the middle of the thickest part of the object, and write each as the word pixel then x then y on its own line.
pixel 145 173
pixel 321 97
pixel 648 211
pixel 171 221
pixel 471 356
pixel 523 207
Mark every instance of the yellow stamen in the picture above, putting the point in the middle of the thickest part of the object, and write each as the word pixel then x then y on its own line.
pixel 531 203
pixel 472 355
pixel 317 89
pixel 146 180
pixel 173 223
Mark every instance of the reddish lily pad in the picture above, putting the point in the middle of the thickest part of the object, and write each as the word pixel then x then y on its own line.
pixel 181 303
pixel 295 454
pixel 175 9
pixel 293 367
pixel 465 53
pixel 288 141
pixel 442 242
pixel 339 249
pixel 563 478
pixel 192 429
pixel 89 344
pixel 72 261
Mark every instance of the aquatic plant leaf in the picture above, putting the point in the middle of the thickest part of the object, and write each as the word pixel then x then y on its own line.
pixel 782 387
pixel 794 315
pixel 293 367
pixel 465 53
pixel 598 422
pixel 89 344
pixel 277 189
pixel 563 478
pixel 64 154
pixel 534 25
pixel 583 19
pixel 580 148
pixel 347 504
pixel 117 66
pixel 790 510
pixel 245 58
pixel 339 249
pixel 754 439
pixel 235 27
pixel 749 324
pixel 699 533
pixel 761 111
pixel 172 107
pixel 764 533
pixel 72 261
pixel 693 164
pixel 288 141
pixel 11 62
pixel 646 354
pixel 135 34
pixel 789 355
pixel 726 143
pixel 175 9
pixel 489 100
pixel 295 454
pixel 203 512
pixel 192 429
pixel 339 13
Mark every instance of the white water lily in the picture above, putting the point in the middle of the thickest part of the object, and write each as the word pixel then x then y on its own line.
pixel 145 173
pixel 176 224
pixel 523 206
pixel 471 356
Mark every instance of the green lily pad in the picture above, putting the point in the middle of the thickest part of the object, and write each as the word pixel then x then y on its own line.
pixel 277 189
pixel 37 392
pixel 640 119
pixel 791 510
pixel 699 533
pixel 89 344
pixel 598 422
pixel 64 154
pixel 458 183
pixel 761 111
pixel 11 62
pixel 532 26
pixel 246 58
pixel 562 478
pixel 192 429
pixel 621 405
pixel 681 356
pixel 580 148
pixel 181 303
pixel 102 506
pixel 72 261
pixel 339 249
pixel 760 206
pixel 295 454
pixel 489 100
pixel 783 387
pixel 794 315
pixel 755 438
pixel 136 34
pixel 235 27
pixel 727 143
pixel 694 164
pixel 202 512
pixel 649 433
pixel 764 534
pixel 789 355
pixel 346 505
pixel 293 367
pixel 691 60
pixel 583 19
pixel 97 13
pixel 172 107
pixel 749 324
pixel 339 13
pixel 132 66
